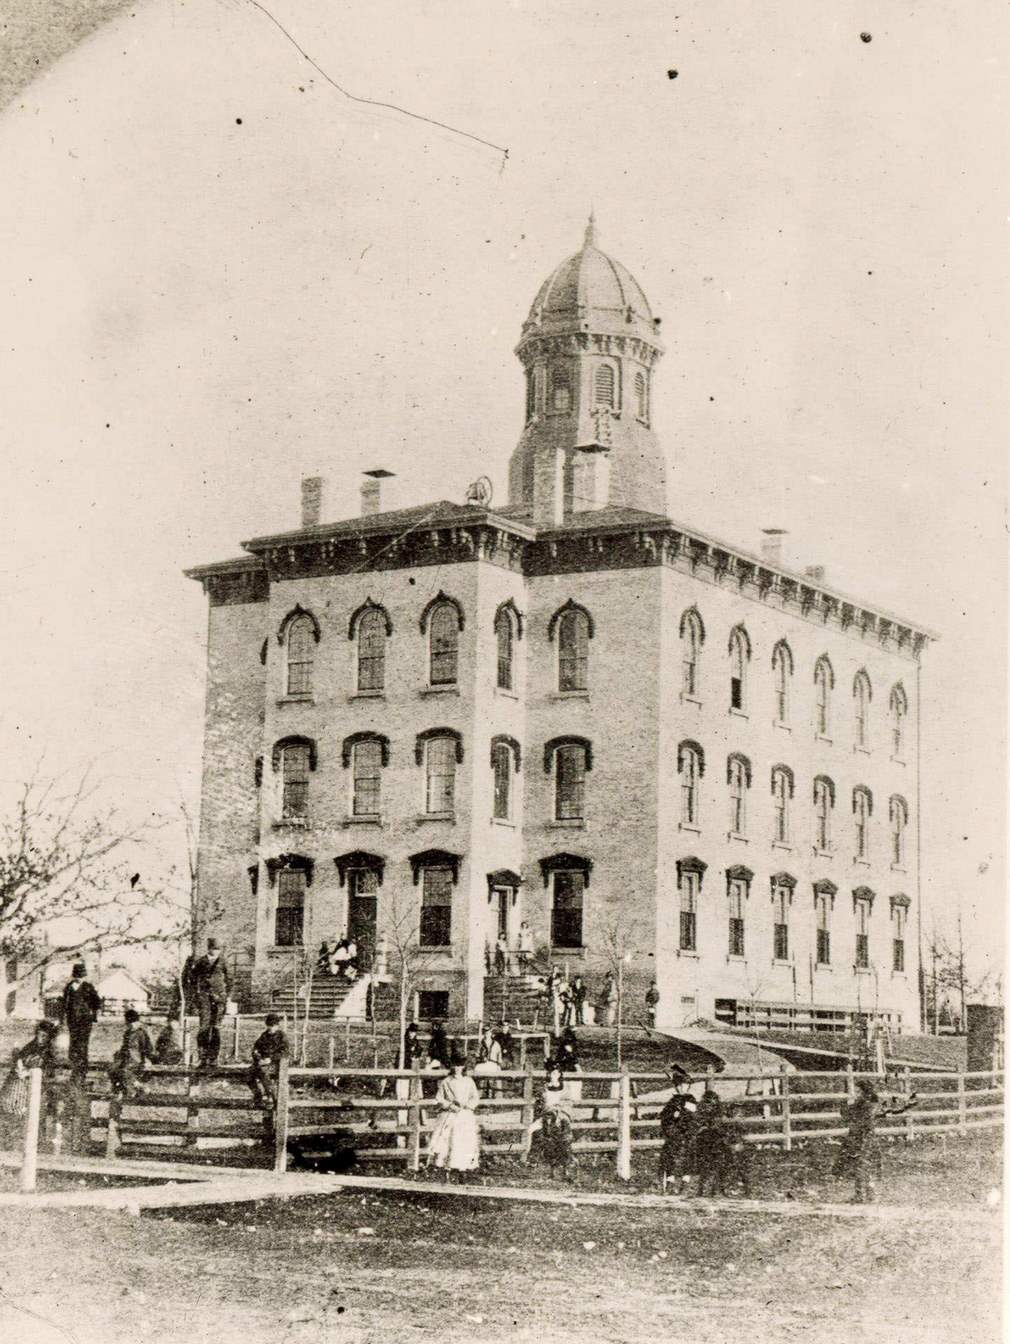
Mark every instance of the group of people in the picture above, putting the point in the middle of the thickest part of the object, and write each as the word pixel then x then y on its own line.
pixel 341 959
pixel 701 1138
pixel 565 1000
pixel 501 959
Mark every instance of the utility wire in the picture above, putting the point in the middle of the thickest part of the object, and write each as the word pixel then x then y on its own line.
pixel 374 102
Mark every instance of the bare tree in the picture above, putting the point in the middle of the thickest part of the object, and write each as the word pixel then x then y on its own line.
pixel 622 940
pixel 66 886
pixel 402 934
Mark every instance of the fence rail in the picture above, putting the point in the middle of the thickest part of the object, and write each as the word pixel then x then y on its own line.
pixel 388 1114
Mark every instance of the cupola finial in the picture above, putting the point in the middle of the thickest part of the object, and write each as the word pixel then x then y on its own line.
pixel 591 230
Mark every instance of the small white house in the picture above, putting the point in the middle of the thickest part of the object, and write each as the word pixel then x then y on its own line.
pixel 120 990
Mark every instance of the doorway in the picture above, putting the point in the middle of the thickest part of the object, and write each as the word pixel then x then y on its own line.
pixel 362 910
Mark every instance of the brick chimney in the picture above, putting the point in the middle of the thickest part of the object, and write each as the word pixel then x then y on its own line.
pixel 312 500
pixel 771 544
pixel 590 478
pixel 371 490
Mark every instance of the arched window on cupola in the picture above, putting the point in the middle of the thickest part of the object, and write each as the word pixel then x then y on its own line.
pixel 604 386
pixel 641 397
pixel 561 390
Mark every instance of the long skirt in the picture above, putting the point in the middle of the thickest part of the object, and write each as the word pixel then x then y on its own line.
pixel 455 1141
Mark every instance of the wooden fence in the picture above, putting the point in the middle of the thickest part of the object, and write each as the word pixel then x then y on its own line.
pixel 387 1115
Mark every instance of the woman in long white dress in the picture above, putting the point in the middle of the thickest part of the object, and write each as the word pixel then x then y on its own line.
pixel 455 1139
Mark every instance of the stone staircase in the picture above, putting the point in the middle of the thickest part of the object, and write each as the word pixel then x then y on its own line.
pixel 518 998
pixel 332 996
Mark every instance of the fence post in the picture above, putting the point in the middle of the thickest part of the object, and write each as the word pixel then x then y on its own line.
pixel 112 1127
pixel 281 1116
pixel 415 1120
pixel 332 1049
pixel 787 1117
pixel 33 1115
pixel 192 1112
pixel 347 1040
pixel 624 1127
pixel 235 1038
pixel 850 1083
pixel 909 1124
pixel 962 1104
pixel 527 1138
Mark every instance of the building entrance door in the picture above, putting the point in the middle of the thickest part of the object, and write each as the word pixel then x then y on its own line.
pixel 361 914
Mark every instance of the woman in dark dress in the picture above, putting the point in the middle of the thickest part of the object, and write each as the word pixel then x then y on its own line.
pixel 38 1053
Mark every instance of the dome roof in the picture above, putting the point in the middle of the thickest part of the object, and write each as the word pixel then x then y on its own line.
pixel 591 292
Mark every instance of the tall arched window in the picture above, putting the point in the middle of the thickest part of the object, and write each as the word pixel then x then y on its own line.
pixel 862 694
pixel 289 920
pixel 301 639
pixel 561 390
pixel 443 644
pixel 824 801
pixel 689 875
pixel 824 901
pixel 862 810
pixel 738 882
pixel 782 898
pixel 504 761
pixel 372 650
pixel 604 386
pixel 862 905
pixel 899 824
pixel 505 638
pixel 573 650
pixel 899 712
pixel 739 655
pixel 641 397
pixel 824 680
pixel 571 758
pixel 738 775
pixel 531 393
pixel 296 762
pixel 440 775
pixel 782 791
pixel 692 636
pixel 782 671
pixel 367 778
pixel 691 765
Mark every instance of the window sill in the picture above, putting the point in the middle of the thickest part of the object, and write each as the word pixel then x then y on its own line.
pixel 784 845
pixel 361 820
pixel 504 694
pixel 823 853
pixel 861 863
pixel 568 695
pixel 688 952
pixel 785 727
pixel 861 751
pixel 863 970
pixel 823 966
pixel 568 952
pixel 422 817
pixel 689 826
pixel 898 760
pixel 898 868
pixel 899 975
pixel 735 835
pixel 285 949
pixel 306 699
pixel 292 824
pixel 739 713
pixel 822 737
pixel 731 956
pixel 567 824
pixel 686 699
pixel 503 821
pixel 367 695
pixel 439 690
pixel 444 948
pixel 777 961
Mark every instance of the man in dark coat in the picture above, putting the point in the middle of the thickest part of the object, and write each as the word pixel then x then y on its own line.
pixel 270 1047
pixel 213 986
pixel 132 1058
pixel 79 1008
pixel 677 1126
pixel 860 1149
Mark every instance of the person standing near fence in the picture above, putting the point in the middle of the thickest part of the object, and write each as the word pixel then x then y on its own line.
pixel 269 1048
pixel 80 1005
pixel 38 1053
pixel 577 990
pixel 524 947
pixel 606 1004
pixel 131 1059
pixel 651 1003
pixel 677 1127
pixel 860 1149
pixel 213 986
pixel 455 1139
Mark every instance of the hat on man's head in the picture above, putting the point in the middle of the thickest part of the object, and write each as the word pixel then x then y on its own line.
pixel 678 1074
pixel 49 1027
pixel 131 1015
pixel 213 945
pixel 78 968
pixel 272 1019
pixel 457 1059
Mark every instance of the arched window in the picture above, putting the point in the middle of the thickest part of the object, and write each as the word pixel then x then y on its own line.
pixel 782 671
pixel 899 712
pixel 504 761
pixel 504 629
pixel 862 904
pixel 531 393
pixel 689 875
pixel 739 656
pixel 738 880
pixel 289 919
pixel 862 694
pixel 443 646
pixel 738 777
pixel 372 630
pixel 574 629
pixel 604 386
pixel 436 906
pixel 824 901
pixel 296 760
pixel 782 898
pixel 862 810
pixel 899 824
pixel 641 397
pixel 368 760
pixel 782 791
pixel 561 390
pixel 691 764
pixel 824 680
pixel 301 639
pixel 572 757
pixel 692 636
pixel 824 801
pixel 442 753
pixel 899 922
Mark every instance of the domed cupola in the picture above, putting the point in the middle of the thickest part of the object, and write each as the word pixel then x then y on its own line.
pixel 588 346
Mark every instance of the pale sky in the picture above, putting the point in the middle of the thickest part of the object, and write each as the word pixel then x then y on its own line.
pixel 219 275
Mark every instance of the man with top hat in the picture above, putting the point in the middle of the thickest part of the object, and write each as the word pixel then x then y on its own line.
pixel 677 1126
pixel 213 986
pixel 80 1005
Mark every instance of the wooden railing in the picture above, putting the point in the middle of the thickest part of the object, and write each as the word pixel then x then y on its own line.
pixel 388 1114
